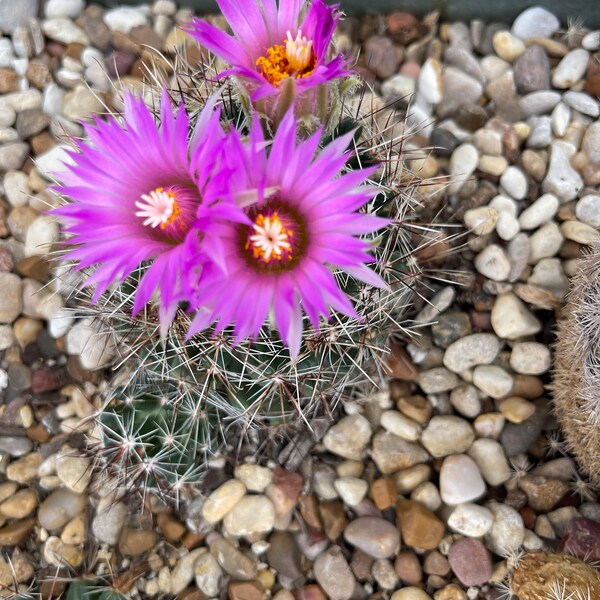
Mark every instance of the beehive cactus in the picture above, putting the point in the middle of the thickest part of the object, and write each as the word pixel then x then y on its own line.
pixel 554 576
pixel 251 265
pixel 576 384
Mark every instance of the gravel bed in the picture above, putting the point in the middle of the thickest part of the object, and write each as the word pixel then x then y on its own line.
pixel 429 489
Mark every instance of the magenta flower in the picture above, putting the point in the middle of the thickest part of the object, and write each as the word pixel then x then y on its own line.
pixel 272 46
pixel 142 192
pixel 304 224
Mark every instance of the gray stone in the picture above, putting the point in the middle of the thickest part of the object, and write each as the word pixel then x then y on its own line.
pixel 591 142
pixel 570 69
pixel 562 179
pixel 459 88
pixel 471 350
pixel 13 155
pixel 374 536
pixel 14 13
pixel 532 70
pixel 588 210
pixel 538 103
pixel 70 9
pixel 109 521
pixel 333 574
pixel 391 453
pixel 11 302
pixel 583 103
pixel 516 438
pixel 535 22
pixel 447 434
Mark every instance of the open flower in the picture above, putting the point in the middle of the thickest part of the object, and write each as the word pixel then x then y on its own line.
pixel 304 224
pixel 141 192
pixel 278 56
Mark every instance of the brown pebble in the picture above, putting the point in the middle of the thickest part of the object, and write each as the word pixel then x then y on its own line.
pixel 384 493
pixel 38 433
pixel 527 386
pixel 399 364
pixel 471 561
pixel 191 594
pixel 310 592
pixel 16 532
pixel 420 528
pixel 9 81
pixel 92 23
pixel 171 528
pixel 192 540
pixel 408 568
pixel 42 142
pixel 543 493
pixel 415 407
pixel 402 27
pixel 361 564
pixel 436 563
pixel 333 517
pixel 245 590
pixel 309 509
pixel 38 73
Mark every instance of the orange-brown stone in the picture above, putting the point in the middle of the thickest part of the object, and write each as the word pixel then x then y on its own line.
pixel 420 528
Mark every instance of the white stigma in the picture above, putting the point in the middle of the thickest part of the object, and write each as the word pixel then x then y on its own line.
pixel 157 208
pixel 270 238
pixel 299 51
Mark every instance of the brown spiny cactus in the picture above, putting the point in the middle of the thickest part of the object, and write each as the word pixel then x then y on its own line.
pixel 576 383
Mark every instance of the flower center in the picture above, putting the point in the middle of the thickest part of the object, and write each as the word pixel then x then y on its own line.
pixel 295 58
pixel 169 212
pixel 159 208
pixel 271 240
pixel 275 240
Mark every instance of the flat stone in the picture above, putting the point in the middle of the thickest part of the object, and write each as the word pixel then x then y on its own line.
pixel 254 477
pixel 511 319
pixel 333 574
pixel 493 263
pixel 582 102
pixel 507 532
pixel 436 380
pixel 491 460
pixel 471 520
pixel 540 212
pixel 16 532
pixel 588 210
pixel 24 469
pixel 447 434
pixel 513 180
pixel 591 142
pixel 530 358
pixel 19 505
pixel 481 220
pixel 251 515
pixel 493 380
pixel 532 70
pixel 396 423
pixel 570 69
pixel 535 22
pixel 74 471
pixel 392 453
pixel 183 572
pixel 233 561
pixel 459 88
pixel 471 350
pixel 470 561
pixel 109 521
pixel 420 528
pixel 283 555
pixel 543 494
pixel 13 155
pixel 374 536
pixel 463 162
pixel 538 103
pixel 63 30
pixel 349 437
pixel 59 508
pixel 545 242
pixel 222 500
pixel 17 13
pixel 460 480
pixel 352 490
pixel 208 574
pixel 516 438
pixel 579 232
pixel 507 46
pixel 124 18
